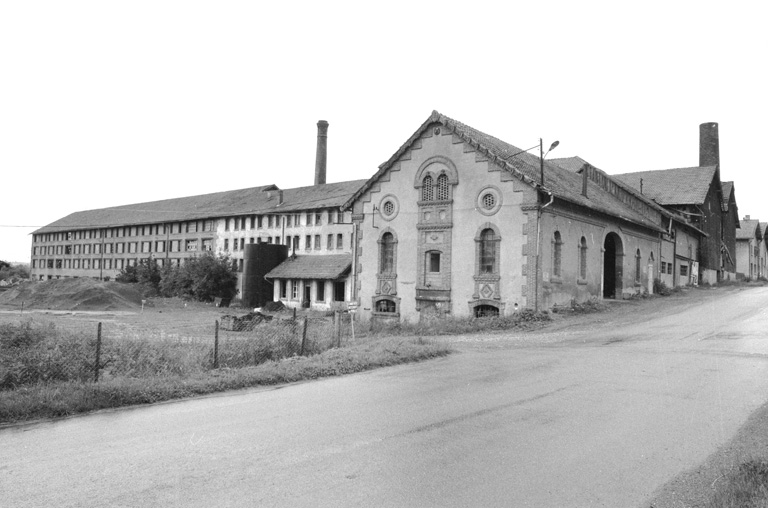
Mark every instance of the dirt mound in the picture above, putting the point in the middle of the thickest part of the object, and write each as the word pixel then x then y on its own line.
pixel 73 294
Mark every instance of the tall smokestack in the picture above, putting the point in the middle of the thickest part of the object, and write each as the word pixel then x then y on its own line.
pixel 321 157
pixel 709 145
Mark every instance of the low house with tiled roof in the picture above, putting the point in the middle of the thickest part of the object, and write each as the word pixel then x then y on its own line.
pixel 307 220
pixel 458 222
pixel 697 193
pixel 679 245
pixel 749 239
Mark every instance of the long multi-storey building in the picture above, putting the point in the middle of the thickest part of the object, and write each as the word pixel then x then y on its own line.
pixel 100 243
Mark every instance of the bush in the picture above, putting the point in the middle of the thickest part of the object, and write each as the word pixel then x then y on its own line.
pixel 201 278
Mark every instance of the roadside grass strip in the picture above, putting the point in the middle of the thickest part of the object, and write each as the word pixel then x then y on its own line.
pixel 43 400
pixel 746 486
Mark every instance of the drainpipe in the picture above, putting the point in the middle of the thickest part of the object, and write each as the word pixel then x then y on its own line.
pixel 538 248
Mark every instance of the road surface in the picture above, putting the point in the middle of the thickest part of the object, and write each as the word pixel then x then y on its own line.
pixel 597 413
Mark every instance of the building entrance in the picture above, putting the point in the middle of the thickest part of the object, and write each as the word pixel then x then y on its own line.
pixel 613 262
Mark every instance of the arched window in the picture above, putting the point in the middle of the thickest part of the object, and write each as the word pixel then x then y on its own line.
pixel 557 254
pixel 583 258
pixel 487 251
pixel 442 187
pixel 638 269
pixel 387 255
pixel 426 189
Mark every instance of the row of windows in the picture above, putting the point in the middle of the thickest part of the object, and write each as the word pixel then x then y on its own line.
pixel 557 259
pixel 333 241
pixel 128 231
pixel 209 225
pixel 487 253
pixel 112 264
pixel 295 288
pixel 188 245
pixel 315 218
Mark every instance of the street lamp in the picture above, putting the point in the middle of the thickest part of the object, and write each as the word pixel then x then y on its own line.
pixel 541 155
pixel 538 214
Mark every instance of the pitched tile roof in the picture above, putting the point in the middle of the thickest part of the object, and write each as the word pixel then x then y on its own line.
pixel 253 200
pixel 576 164
pixel 680 186
pixel 748 230
pixel 563 184
pixel 328 267
pixel 573 164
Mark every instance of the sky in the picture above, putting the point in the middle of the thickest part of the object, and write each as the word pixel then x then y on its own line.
pixel 106 103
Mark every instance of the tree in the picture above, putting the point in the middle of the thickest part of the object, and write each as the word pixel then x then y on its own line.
pixel 200 278
pixel 9 270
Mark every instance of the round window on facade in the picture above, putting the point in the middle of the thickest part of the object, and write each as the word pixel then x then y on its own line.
pixel 489 201
pixel 388 207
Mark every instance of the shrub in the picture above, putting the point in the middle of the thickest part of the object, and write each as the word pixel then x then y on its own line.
pixel 200 278
pixel 660 288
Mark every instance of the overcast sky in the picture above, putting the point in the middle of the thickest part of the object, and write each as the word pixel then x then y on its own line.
pixel 108 103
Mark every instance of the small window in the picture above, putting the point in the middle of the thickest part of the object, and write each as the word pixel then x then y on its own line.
pixel 330 242
pixel 320 297
pixel 583 258
pixel 283 289
pixel 387 260
pixel 442 187
pixel 489 201
pixel 487 251
pixel 339 241
pixel 308 242
pixel 295 290
pixel 426 189
pixel 434 262
pixel 557 254
pixel 317 242
pixel 638 269
pixel 683 270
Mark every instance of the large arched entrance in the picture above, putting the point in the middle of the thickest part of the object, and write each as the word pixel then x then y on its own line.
pixel 613 262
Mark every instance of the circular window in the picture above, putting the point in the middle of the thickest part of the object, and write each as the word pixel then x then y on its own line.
pixel 489 201
pixel 388 207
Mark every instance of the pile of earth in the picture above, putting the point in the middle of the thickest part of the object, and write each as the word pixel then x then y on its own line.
pixel 73 294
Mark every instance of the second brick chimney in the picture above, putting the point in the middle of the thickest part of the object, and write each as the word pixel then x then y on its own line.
pixel 321 158
pixel 709 145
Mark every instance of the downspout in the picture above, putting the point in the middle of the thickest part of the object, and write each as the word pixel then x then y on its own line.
pixel 538 248
pixel 353 290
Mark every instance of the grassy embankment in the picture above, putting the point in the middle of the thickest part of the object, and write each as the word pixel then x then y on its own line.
pixel 46 372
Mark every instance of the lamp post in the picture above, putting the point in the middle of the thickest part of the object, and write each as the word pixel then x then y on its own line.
pixel 538 213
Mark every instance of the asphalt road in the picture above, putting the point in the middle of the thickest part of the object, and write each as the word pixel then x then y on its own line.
pixel 597 413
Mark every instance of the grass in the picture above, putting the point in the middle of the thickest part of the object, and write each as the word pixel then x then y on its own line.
pixel 524 319
pixel 746 486
pixel 51 399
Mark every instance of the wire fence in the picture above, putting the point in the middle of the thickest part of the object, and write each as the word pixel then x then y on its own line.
pixel 46 347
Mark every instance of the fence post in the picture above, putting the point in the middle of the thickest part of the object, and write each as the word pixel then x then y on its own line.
pixel 216 346
pixel 303 337
pixel 98 354
pixel 337 327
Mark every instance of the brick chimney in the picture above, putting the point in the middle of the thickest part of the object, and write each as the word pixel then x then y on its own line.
pixel 709 145
pixel 321 157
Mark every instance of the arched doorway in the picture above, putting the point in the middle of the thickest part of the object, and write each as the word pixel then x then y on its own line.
pixel 613 262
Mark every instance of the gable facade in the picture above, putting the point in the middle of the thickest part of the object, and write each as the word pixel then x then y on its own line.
pixel 446 227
